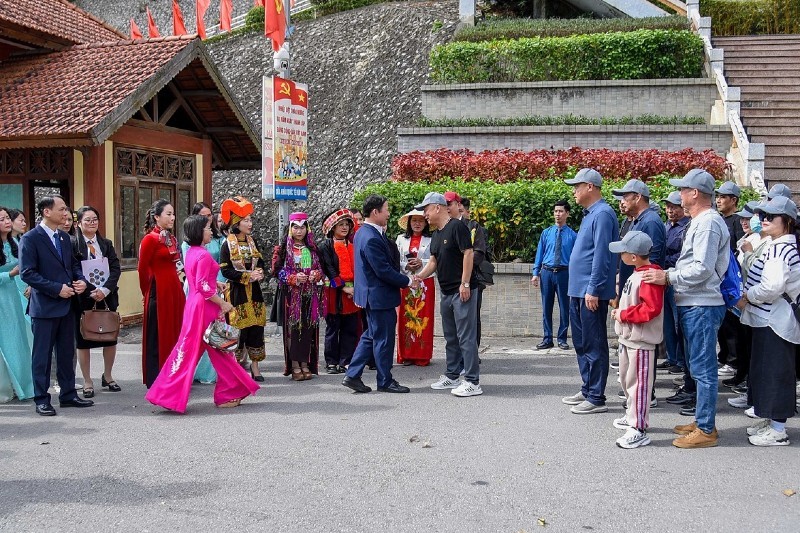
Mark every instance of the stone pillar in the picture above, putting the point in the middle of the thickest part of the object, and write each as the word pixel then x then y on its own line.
pixel 466 12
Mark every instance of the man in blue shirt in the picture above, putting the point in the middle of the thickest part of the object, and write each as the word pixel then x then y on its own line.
pixel 592 269
pixel 551 271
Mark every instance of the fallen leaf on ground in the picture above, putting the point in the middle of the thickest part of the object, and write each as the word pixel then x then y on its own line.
pixel 413 438
pixel 45 442
pixel 789 492
pixel 540 463
pixel 541 522
pixel 427 444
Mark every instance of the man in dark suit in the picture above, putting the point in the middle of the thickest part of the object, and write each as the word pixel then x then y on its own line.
pixel 378 281
pixel 47 264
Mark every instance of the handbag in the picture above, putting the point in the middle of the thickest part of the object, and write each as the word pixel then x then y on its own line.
pixel 100 325
pixel 222 336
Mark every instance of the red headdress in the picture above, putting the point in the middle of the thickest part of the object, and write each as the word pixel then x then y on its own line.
pixel 235 209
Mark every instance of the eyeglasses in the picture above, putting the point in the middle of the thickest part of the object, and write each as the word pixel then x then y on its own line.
pixel 767 216
pixel 90 220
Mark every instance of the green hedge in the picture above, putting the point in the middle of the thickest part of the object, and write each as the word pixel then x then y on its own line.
pixel 505 29
pixel 641 54
pixel 750 17
pixel 560 120
pixel 330 7
pixel 514 214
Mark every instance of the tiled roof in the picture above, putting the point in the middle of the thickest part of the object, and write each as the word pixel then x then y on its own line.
pixel 58 18
pixel 68 93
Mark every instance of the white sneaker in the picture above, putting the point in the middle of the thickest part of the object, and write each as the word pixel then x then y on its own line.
pixel 758 426
pixel 769 437
pixel 740 402
pixel 445 383
pixel 726 370
pixel 575 399
pixel 633 438
pixel 467 388
pixel 654 402
pixel 751 412
pixel 621 423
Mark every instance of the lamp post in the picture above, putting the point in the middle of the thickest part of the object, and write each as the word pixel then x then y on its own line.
pixel 281 63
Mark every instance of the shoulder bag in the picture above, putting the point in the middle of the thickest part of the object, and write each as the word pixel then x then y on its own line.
pixel 100 325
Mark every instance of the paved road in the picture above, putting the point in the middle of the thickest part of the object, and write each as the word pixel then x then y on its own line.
pixel 313 457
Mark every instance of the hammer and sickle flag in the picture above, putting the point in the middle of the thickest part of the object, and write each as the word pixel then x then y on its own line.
pixel 275 23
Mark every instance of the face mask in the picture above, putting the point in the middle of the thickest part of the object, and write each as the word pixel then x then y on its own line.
pixel 755 224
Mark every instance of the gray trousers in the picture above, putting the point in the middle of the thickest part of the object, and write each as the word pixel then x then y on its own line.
pixel 460 327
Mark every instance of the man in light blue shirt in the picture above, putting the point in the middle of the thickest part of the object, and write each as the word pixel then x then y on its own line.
pixel 592 272
pixel 551 271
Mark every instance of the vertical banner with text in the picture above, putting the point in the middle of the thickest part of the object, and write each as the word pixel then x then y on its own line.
pixel 284 173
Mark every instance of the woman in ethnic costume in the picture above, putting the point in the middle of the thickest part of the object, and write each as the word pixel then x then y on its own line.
pixel 172 386
pixel 343 320
pixel 159 266
pixel 415 314
pixel 243 266
pixel 16 378
pixel 205 371
pixel 301 296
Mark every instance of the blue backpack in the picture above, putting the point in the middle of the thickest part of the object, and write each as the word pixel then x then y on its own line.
pixel 732 287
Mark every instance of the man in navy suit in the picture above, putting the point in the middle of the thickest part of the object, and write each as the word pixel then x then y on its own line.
pixel 54 275
pixel 377 284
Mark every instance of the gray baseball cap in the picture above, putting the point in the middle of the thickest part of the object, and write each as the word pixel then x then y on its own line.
pixel 634 185
pixel 779 190
pixel 697 178
pixel 780 205
pixel 431 198
pixel 729 188
pixel 673 198
pixel 749 209
pixel 634 242
pixel 586 175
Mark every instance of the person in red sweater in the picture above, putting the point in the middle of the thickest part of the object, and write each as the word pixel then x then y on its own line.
pixel 639 323
pixel 159 265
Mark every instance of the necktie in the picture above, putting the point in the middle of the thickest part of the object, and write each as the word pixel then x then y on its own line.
pixel 557 253
pixel 57 244
pixel 92 251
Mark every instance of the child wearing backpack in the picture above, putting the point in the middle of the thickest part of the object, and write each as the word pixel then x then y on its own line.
pixel 639 323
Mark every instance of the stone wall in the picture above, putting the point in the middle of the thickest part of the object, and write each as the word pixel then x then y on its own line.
pixel 593 98
pixel 666 137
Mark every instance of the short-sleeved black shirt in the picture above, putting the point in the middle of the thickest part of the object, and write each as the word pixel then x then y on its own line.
pixel 447 246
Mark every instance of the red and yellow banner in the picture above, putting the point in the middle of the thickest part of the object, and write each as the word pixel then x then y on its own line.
pixel 285 139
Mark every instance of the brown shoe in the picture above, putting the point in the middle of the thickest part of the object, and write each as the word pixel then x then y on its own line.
pixel 307 374
pixel 684 429
pixel 697 439
pixel 297 375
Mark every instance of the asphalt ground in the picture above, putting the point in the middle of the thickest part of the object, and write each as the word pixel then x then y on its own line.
pixel 312 456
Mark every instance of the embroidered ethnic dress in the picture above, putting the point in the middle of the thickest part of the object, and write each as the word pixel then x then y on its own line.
pixel 15 337
pixel 415 316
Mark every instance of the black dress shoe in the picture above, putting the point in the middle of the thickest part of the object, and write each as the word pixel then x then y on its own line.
pixel 663 365
pixel 688 410
pixel 372 367
pixel 563 345
pixel 356 384
pixel 394 387
pixel 45 409
pixel 681 398
pixel 544 345
pixel 111 385
pixel 76 402
pixel 341 369
pixel 332 369
pixel 675 369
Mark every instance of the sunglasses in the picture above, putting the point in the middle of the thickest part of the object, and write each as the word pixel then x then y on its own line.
pixel 767 216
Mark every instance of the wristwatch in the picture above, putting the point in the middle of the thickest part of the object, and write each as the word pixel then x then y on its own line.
pixel 465 285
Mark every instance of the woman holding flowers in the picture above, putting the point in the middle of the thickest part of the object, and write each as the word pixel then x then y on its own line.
pixel 415 314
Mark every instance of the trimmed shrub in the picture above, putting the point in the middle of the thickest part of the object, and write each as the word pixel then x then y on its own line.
pixel 559 120
pixel 642 54
pixel 750 17
pixel 504 166
pixel 255 17
pixel 515 213
pixel 506 29
pixel 330 7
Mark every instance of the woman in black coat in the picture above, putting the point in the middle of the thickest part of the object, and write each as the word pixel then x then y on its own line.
pixel 89 244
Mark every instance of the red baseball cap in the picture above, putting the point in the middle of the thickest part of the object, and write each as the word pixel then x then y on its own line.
pixel 449 196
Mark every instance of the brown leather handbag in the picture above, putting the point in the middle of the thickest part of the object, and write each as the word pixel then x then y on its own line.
pixel 100 325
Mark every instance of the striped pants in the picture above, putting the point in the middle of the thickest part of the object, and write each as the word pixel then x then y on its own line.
pixel 635 368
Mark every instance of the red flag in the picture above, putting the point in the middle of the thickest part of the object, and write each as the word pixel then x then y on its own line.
pixel 225 9
pixel 152 30
pixel 178 27
pixel 275 23
pixel 258 3
pixel 136 33
pixel 201 6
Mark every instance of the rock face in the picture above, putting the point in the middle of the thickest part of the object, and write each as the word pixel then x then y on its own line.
pixel 364 69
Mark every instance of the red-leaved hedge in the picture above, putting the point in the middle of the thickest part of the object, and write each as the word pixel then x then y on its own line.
pixel 510 165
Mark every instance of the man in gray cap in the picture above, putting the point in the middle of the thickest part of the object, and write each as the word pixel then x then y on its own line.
pixel 451 258
pixel 696 279
pixel 592 269
pixel 779 189
pixel 727 201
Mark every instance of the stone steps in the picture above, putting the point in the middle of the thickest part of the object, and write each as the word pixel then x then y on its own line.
pixel 770 122
pixel 774 129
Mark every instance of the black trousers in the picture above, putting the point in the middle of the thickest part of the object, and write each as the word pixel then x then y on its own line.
pixel 727 338
pixel 341 338
pixel 50 333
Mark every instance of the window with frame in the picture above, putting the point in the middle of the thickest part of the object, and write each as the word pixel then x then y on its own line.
pixel 142 177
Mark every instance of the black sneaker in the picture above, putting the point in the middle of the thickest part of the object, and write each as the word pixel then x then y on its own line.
pixel 332 369
pixel 731 383
pixel 681 397
pixel 688 410
pixel 675 369
pixel 614 364
pixel 663 365
pixel 740 389
pixel 621 394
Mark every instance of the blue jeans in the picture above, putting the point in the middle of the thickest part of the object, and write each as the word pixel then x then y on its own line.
pixel 673 336
pixel 700 326
pixel 590 338
pixel 555 283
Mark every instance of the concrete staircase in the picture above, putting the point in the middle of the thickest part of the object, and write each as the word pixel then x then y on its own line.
pixel 767 69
